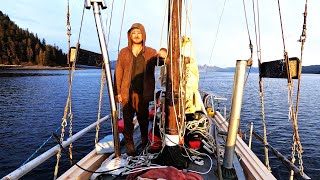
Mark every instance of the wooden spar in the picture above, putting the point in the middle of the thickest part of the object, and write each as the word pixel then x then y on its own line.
pixel 173 77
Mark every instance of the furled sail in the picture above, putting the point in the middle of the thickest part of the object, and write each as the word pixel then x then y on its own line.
pixel 191 77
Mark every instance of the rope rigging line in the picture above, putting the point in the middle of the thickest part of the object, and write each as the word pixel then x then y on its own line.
pixel 124 9
pixel 68 26
pixel 64 119
pixel 102 82
pixel 256 14
pixel 81 23
pixel 156 77
pixel 293 115
pixel 250 42
pixel 68 105
pixel 110 21
pixel 257 30
pixel 217 32
pixel 68 59
pixel 302 40
pixel 188 20
pixel 38 149
pixel 281 25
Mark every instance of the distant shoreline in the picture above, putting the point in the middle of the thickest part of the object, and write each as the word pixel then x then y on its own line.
pixel 37 67
pixel 312 69
pixel 33 67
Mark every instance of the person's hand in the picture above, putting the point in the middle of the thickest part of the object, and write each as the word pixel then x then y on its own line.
pixel 162 53
pixel 119 98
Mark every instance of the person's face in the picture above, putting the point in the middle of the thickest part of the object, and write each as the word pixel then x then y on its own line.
pixel 136 36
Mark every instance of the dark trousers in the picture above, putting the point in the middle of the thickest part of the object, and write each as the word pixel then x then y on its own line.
pixel 136 105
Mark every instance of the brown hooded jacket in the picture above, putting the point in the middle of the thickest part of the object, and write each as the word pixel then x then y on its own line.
pixel 124 67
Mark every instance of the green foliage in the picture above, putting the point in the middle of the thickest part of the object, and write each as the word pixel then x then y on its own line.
pixel 19 46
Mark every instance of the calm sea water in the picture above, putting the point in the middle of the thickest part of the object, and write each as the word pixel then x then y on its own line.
pixel 31 108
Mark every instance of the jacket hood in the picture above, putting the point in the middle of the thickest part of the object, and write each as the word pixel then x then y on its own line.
pixel 144 37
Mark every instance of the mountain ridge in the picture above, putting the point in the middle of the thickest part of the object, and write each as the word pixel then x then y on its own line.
pixel 311 69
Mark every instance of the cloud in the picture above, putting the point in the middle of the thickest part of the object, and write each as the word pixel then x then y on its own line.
pixel 24 19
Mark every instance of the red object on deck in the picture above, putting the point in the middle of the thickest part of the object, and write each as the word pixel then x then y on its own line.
pixel 151 114
pixel 120 125
pixel 170 173
pixel 157 145
pixel 194 144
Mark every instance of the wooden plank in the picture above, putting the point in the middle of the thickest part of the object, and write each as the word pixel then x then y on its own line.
pixel 91 161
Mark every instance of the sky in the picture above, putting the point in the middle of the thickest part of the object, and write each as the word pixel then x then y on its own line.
pixel 215 44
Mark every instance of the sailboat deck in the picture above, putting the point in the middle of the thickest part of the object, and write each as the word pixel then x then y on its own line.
pixel 202 170
pixel 249 168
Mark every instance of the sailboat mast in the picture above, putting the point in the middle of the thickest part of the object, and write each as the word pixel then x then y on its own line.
pixel 173 77
pixel 171 153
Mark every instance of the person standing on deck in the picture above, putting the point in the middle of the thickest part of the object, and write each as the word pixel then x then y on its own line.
pixel 134 83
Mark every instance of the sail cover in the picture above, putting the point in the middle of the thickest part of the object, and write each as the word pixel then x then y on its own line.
pixel 191 77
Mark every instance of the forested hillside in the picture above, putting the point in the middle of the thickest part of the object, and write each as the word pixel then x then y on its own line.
pixel 19 46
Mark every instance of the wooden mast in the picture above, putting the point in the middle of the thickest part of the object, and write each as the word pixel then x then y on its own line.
pixel 171 154
pixel 173 77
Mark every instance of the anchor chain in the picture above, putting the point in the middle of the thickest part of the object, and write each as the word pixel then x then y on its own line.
pixel 63 125
pixel 70 132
